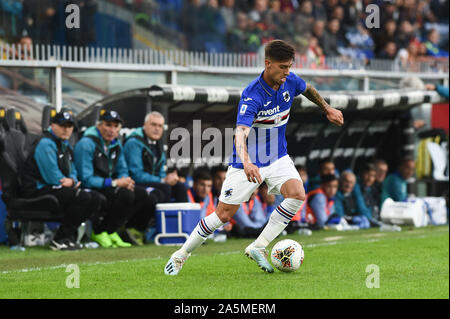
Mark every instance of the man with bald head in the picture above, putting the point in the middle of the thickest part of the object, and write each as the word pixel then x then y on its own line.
pixel 146 159
pixel 350 201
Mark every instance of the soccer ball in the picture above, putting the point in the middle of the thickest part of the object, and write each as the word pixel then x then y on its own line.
pixel 287 255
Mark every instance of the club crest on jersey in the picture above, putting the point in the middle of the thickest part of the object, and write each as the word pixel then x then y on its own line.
pixel 286 96
pixel 228 192
pixel 277 119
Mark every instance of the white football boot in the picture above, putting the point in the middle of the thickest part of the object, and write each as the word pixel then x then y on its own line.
pixel 260 256
pixel 175 264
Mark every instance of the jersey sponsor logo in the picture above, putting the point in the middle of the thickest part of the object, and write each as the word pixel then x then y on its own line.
pixel 265 104
pixel 269 112
pixel 286 96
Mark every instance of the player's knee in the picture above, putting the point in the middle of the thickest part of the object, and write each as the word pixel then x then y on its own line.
pixel 297 195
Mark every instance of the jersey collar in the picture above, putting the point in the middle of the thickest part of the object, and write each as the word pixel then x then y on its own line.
pixel 265 86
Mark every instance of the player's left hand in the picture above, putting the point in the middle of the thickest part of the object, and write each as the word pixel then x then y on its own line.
pixel 335 116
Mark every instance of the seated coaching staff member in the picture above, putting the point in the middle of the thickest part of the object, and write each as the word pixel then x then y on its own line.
pixel 101 166
pixel 146 159
pixel 49 169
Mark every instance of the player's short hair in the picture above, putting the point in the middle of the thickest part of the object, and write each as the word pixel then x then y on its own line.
pixel 278 50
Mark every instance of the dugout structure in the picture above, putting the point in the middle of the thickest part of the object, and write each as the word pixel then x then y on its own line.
pixel 377 124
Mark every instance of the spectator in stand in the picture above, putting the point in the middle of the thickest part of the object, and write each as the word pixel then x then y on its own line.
pixel 85 34
pixel 432 45
pixel 439 9
pixel 315 55
pixel 260 8
pixel 237 37
pixel 372 197
pixel 383 36
pixel 49 170
pixel 389 51
pixel 360 43
pixel 326 167
pixel 191 22
pixel 213 27
pixel 318 30
pixel 353 10
pixel 395 185
pixel 228 12
pixel 405 34
pixel 41 20
pixel 319 12
pixel 146 159
pixel 101 166
pixel 350 202
pixel 10 18
pixel 407 58
pixel 330 41
pixel 304 19
pixel 330 5
pixel 249 219
pixel 201 192
pixel 320 202
pixel 289 6
pixel 218 176
pixel 389 11
pixel 381 170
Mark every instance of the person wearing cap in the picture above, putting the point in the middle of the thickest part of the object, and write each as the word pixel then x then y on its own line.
pixel 101 165
pixel 49 169
pixel 146 159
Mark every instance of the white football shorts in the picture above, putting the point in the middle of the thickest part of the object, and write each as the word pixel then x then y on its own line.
pixel 236 188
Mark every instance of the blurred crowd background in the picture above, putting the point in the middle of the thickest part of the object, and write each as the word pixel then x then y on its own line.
pixel 409 30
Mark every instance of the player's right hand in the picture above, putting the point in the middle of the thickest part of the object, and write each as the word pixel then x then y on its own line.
pixel 335 116
pixel 252 172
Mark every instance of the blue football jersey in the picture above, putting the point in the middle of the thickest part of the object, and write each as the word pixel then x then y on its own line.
pixel 266 112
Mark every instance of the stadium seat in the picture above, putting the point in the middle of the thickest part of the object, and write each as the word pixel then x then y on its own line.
pixel 48 112
pixel 14 120
pixel 12 156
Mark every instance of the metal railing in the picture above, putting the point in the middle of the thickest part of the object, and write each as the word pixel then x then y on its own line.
pixel 89 55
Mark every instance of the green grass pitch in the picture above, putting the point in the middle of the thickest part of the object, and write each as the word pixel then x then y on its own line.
pixel 413 263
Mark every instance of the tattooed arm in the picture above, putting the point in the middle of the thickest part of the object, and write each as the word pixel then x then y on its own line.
pixel 334 116
pixel 251 170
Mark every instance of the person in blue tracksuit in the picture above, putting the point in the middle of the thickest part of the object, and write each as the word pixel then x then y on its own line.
pixel 49 169
pixel 146 159
pixel 101 165
pixel 349 201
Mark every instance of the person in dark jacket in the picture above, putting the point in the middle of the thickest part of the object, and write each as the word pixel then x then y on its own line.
pixel 49 169
pixel 146 159
pixel 101 165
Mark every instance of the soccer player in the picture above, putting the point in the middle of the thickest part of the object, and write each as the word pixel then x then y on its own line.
pixel 263 113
